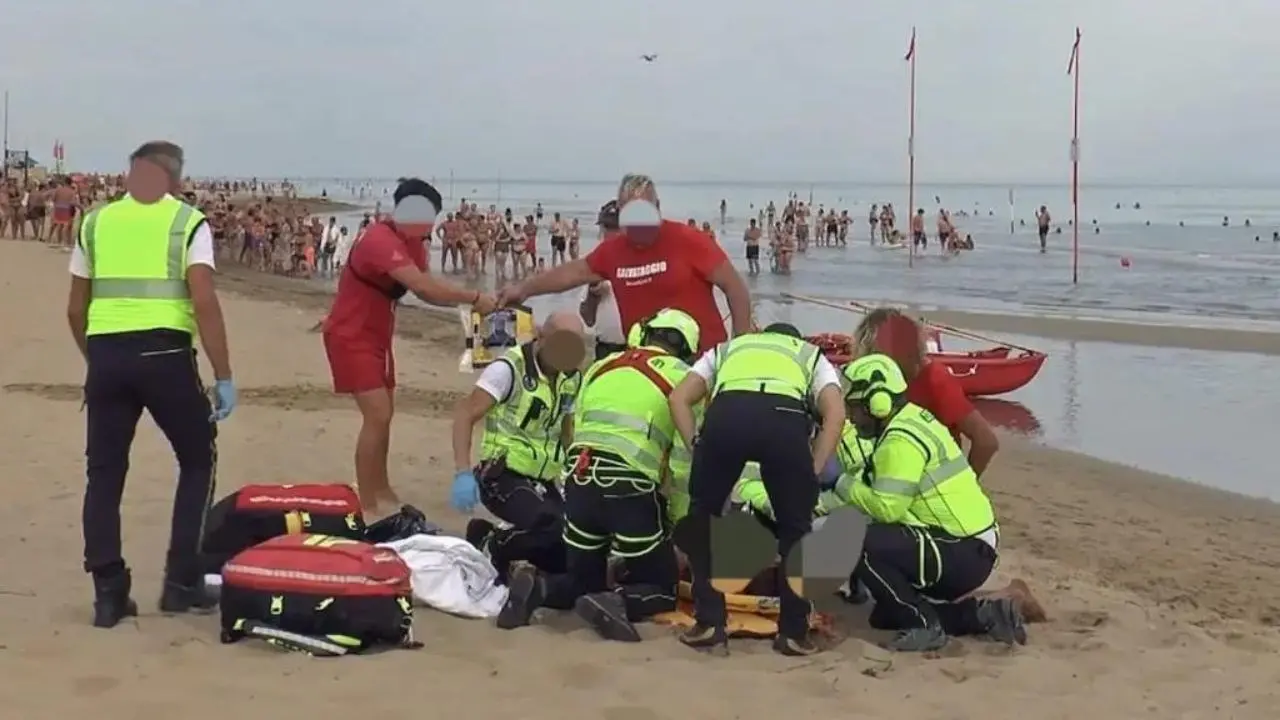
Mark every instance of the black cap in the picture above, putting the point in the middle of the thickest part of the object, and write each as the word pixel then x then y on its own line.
pixel 416 186
pixel 607 218
pixel 781 328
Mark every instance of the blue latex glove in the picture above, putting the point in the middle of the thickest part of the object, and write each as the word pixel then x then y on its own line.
pixel 465 494
pixel 830 473
pixel 224 400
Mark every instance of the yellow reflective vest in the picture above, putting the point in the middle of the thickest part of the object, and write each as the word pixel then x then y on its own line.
pixel 766 362
pixel 921 477
pixel 137 259
pixel 525 427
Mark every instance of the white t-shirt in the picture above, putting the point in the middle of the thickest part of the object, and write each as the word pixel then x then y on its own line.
pixel 199 252
pixel 498 379
pixel 608 324
pixel 824 373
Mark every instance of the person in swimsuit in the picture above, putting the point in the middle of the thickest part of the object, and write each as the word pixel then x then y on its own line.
pixel 501 248
pixel 530 243
pixel 36 210
pixel 873 219
pixel 575 239
pixel 64 211
pixel 558 233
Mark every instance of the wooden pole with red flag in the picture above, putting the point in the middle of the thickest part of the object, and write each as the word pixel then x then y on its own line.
pixel 1073 69
pixel 911 149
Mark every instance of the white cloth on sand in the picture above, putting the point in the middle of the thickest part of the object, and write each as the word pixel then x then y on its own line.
pixel 450 575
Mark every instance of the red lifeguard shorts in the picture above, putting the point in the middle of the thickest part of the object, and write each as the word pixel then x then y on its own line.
pixel 359 366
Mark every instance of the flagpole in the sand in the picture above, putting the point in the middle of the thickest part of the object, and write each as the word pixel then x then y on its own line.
pixel 450 184
pixel 1073 69
pixel 4 159
pixel 1011 212
pixel 911 150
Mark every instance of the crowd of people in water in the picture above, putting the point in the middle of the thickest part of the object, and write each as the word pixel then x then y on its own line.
pixel 267 227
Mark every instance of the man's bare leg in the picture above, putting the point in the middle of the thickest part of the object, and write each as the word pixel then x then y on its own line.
pixel 373 445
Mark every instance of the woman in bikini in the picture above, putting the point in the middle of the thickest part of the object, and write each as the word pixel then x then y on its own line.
pixel 530 255
pixel 501 248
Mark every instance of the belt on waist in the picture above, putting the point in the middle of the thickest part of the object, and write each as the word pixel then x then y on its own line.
pixel 766 387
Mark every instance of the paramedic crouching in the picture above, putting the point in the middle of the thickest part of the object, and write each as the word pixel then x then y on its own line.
pixel 933 537
pixel 763 388
pixel 526 399
pixel 141 288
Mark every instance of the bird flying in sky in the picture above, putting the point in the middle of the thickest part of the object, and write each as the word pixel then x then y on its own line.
pixel 649 58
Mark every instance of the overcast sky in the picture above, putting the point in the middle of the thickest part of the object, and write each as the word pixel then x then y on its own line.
pixel 1173 90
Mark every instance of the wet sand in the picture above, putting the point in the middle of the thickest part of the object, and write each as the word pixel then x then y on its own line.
pixel 1163 595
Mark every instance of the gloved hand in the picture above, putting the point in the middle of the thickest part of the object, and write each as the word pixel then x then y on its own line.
pixel 224 400
pixel 465 494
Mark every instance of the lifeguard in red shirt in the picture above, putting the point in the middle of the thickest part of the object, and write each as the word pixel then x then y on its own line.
pixel 930 385
pixel 652 264
pixel 389 260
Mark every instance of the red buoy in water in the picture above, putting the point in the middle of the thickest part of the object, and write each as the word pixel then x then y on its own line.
pixel 1124 262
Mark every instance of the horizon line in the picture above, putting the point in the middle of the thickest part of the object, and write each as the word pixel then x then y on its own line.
pixel 1256 184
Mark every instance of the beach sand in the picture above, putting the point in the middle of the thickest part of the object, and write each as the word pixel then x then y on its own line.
pixel 1164 597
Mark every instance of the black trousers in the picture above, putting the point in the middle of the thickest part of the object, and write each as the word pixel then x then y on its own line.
pixel 918 577
pixel 535 511
pixel 774 431
pixel 154 371
pixel 615 516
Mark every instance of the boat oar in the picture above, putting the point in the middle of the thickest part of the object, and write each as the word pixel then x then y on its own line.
pixel 855 306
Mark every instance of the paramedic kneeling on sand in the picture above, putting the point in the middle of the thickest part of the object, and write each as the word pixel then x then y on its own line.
pixel 141 288
pixel 526 399
pixel 933 535
pixel 623 437
pixel 764 388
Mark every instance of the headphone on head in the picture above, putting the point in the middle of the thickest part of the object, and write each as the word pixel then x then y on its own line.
pixel 876 382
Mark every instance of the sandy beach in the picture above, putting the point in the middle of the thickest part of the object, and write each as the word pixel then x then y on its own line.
pixel 1164 597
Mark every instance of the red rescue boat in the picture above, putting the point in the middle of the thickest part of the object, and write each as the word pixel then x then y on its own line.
pixel 982 373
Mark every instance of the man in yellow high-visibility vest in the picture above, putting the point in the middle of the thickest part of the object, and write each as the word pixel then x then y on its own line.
pixel 141 288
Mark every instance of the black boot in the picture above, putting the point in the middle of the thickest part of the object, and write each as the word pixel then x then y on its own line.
pixel 526 592
pixel 180 597
pixel 607 613
pixel 1002 620
pixel 111 601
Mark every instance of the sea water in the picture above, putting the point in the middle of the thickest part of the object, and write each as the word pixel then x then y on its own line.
pixel 1198 268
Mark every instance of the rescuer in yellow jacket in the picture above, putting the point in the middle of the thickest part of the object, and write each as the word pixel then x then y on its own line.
pixel 526 400
pixel 622 440
pixel 141 290
pixel 766 389
pixel 933 537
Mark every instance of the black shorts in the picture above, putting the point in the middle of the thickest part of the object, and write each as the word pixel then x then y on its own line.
pixel 557 243
pixel 1044 231
pixel 753 252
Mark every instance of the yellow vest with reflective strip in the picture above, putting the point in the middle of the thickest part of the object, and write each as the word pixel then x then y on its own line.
pixel 137 258
pixel 525 428
pixel 948 495
pixel 767 363
pixel 624 413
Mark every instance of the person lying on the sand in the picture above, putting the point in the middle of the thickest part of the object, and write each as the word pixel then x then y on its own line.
pixel 613 502
pixel 526 399
pixel 933 537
